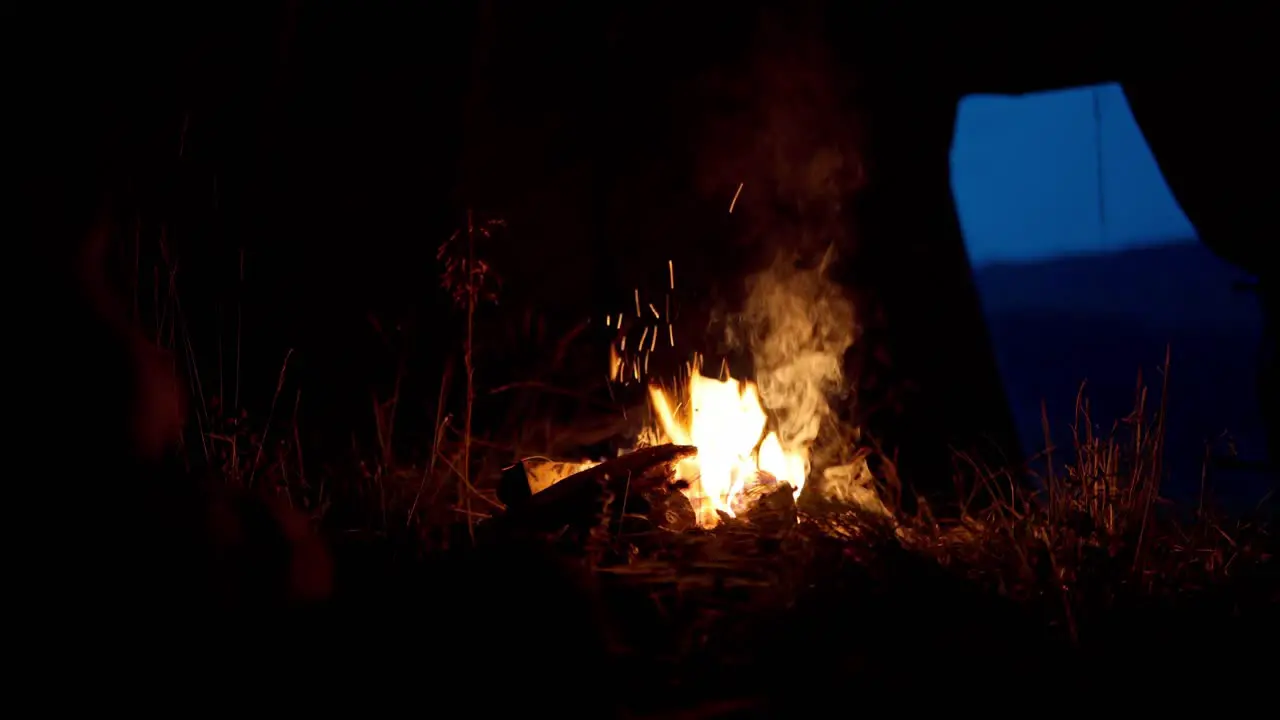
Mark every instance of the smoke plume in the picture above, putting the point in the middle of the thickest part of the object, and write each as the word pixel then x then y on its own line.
pixel 786 139
pixel 796 324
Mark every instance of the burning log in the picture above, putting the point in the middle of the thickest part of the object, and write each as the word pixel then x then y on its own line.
pixel 774 509
pixel 670 511
pixel 645 477
pixel 533 475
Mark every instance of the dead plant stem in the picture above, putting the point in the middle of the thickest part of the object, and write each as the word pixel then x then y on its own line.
pixel 275 398
pixel 470 369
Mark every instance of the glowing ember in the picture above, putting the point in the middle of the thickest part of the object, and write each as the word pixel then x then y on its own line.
pixel 725 420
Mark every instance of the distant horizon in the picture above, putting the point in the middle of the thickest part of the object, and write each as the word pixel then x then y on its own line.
pixel 1086 253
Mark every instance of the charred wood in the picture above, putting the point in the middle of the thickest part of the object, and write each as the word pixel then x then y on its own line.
pixel 645 477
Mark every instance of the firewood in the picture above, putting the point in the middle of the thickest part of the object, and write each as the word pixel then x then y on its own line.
pixel 672 511
pixel 775 509
pixel 524 479
pixel 579 499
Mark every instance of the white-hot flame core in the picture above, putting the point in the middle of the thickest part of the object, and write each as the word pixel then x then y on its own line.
pixel 726 421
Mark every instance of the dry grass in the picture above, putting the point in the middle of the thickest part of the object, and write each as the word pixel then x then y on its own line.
pixel 1096 528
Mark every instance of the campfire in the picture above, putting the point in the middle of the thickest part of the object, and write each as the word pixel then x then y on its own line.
pixel 726 443
pixel 709 440
pixel 737 459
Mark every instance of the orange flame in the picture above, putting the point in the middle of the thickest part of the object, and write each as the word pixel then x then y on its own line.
pixel 726 421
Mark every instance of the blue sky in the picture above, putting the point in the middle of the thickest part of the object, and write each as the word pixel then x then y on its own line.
pixel 1025 175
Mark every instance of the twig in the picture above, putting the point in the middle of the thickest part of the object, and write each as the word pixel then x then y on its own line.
pixel 284 366
pixel 470 369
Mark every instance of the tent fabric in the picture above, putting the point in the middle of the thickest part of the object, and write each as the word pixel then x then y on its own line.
pixel 1056 174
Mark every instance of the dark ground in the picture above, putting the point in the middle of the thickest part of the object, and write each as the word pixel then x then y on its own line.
pixel 841 620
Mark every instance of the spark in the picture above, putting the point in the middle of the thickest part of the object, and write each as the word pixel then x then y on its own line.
pixel 671 268
pixel 671 335
pixel 637 302
pixel 643 335
pixel 653 342
pixel 623 347
pixel 608 321
pixel 619 321
pixel 654 310
pixel 646 363
pixel 734 201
